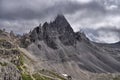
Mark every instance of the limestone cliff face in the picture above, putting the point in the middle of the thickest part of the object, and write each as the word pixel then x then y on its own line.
pixel 50 32
pixel 59 48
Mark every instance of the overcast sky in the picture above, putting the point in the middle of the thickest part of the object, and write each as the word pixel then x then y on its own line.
pixel 99 19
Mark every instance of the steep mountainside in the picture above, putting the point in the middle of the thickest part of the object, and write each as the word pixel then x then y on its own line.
pixel 58 48
pixel 53 51
pixel 16 63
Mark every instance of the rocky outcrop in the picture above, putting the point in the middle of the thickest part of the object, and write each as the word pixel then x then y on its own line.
pixel 24 41
pixel 50 32
pixel 5 44
pixel 8 71
pixel 9 60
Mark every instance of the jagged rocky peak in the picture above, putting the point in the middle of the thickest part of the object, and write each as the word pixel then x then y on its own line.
pixel 61 19
pixel 59 29
pixel 36 33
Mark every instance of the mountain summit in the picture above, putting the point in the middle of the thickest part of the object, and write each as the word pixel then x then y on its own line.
pixel 58 45
pixel 59 29
pixel 53 51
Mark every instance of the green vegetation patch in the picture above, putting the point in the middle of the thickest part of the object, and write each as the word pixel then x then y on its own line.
pixel 21 63
pixel 3 63
pixel 39 77
pixel 2 40
pixel 26 77
pixel 55 74
pixel 20 68
pixel 21 59
pixel 116 78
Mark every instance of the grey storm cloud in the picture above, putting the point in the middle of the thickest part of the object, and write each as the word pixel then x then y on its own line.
pixel 23 15
pixel 12 9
